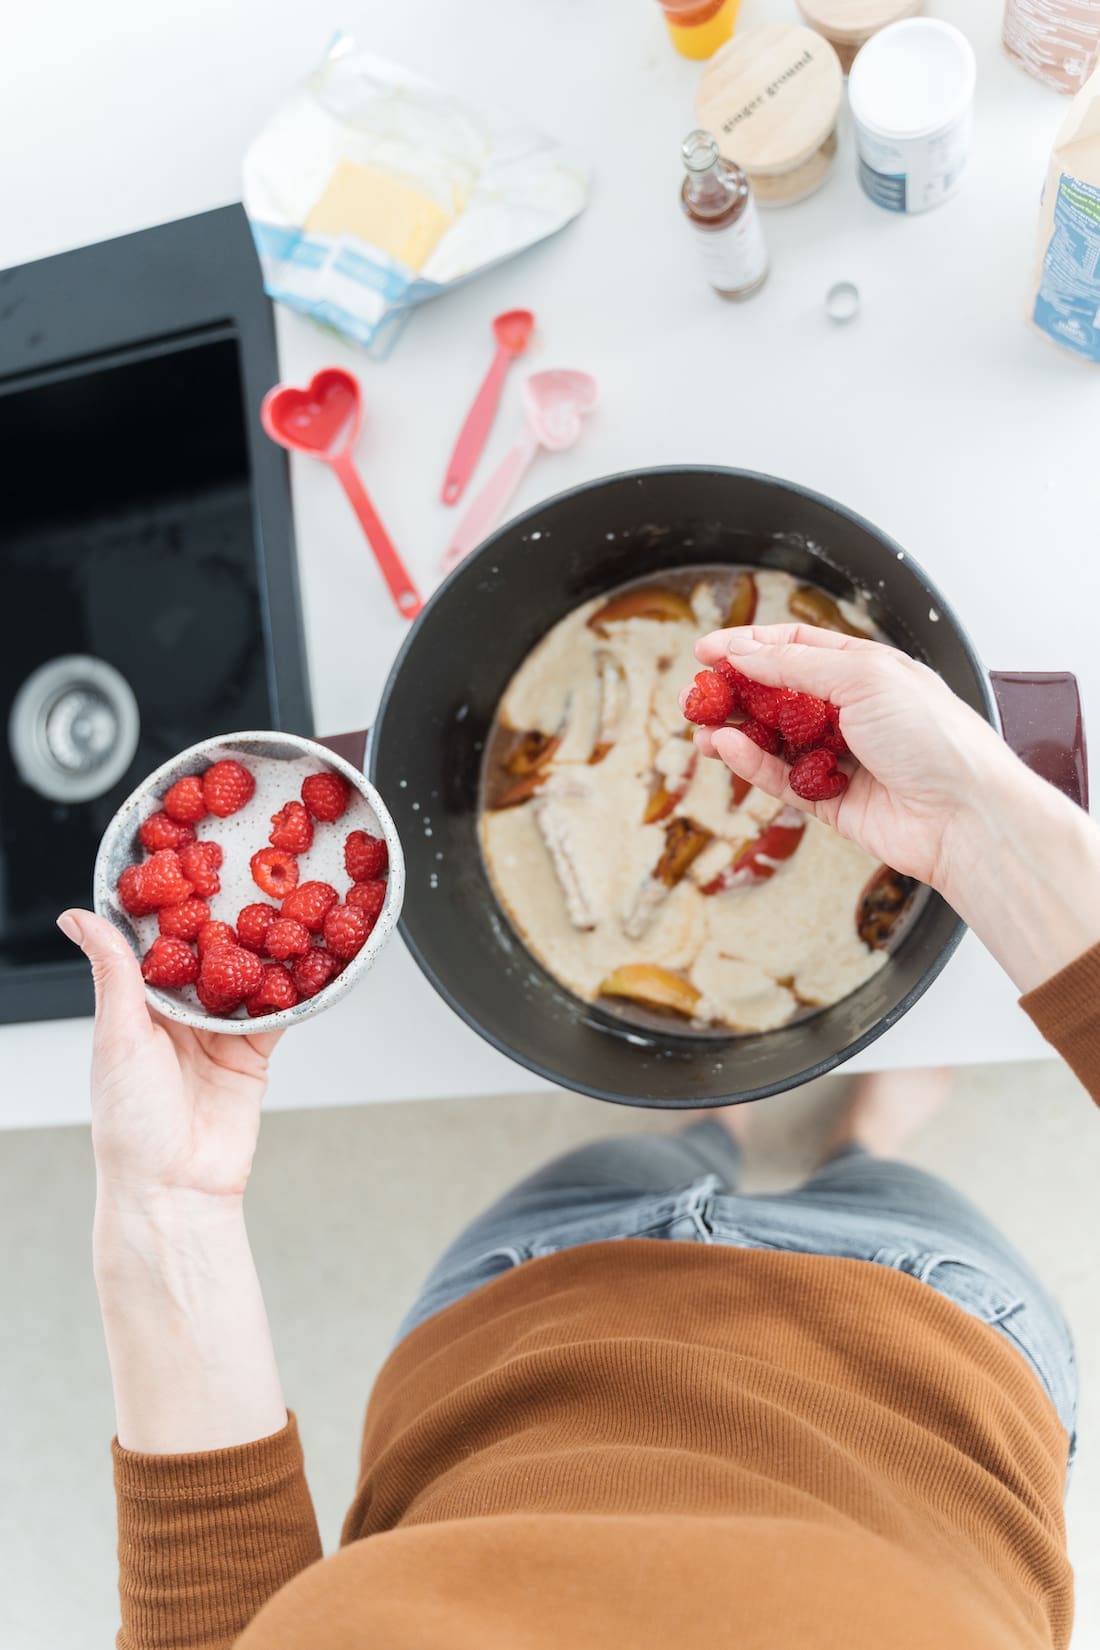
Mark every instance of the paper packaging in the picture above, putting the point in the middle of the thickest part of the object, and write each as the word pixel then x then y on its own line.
pixel 1066 285
pixel 371 190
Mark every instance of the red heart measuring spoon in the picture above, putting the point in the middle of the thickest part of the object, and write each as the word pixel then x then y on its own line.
pixel 323 420
pixel 512 330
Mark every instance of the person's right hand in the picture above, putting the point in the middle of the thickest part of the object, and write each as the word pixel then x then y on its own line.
pixel 924 756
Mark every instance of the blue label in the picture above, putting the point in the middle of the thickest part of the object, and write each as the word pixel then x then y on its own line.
pixel 885 188
pixel 290 246
pixel 1067 306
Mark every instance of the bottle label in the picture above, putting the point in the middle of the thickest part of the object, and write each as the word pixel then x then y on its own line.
pixel 913 174
pixel 735 257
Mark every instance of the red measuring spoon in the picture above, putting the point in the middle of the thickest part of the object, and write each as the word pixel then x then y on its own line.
pixel 512 331
pixel 323 421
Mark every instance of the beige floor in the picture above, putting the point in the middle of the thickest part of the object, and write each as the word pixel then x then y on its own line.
pixel 347 1210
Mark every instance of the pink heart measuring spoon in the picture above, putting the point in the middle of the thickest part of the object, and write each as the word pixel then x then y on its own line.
pixel 323 421
pixel 554 403
pixel 512 331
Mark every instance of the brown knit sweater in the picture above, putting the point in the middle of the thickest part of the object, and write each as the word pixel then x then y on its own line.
pixel 642 1445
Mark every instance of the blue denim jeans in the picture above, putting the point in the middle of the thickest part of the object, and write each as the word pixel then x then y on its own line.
pixel 683 1187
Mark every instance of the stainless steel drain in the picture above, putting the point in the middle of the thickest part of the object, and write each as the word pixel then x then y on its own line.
pixel 73 728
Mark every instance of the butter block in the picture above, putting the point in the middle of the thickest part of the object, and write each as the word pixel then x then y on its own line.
pixel 381 210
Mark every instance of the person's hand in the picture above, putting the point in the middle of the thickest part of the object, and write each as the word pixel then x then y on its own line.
pixel 173 1110
pixel 924 757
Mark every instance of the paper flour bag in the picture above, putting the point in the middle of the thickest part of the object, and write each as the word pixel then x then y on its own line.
pixel 1066 285
pixel 371 190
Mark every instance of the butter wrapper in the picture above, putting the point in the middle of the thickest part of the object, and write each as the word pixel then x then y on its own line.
pixel 371 190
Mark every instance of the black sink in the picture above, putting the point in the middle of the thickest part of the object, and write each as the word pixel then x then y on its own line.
pixel 148 583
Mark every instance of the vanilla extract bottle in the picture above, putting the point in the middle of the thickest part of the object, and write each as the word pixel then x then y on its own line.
pixel 718 204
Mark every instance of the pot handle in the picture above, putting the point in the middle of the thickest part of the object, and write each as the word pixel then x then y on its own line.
pixel 1041 720
pixel 351 746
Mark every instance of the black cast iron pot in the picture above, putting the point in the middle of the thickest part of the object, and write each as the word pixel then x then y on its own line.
pixel 426 751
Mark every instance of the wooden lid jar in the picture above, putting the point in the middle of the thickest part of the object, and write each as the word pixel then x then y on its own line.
pixel 849 24
pixel 771 98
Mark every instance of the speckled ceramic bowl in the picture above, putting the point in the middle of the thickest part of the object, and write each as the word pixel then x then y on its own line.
pixel 279 762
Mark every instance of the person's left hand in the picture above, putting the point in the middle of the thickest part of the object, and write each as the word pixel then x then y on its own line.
pixel 173 1110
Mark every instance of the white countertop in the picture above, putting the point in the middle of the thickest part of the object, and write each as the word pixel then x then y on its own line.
pixel 937 413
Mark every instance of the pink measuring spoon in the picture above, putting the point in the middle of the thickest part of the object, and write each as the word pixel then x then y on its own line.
pixel 323 421
pixel 512 331
pixel 554 403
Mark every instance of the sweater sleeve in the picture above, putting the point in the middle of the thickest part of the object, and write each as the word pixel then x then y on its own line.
pixel 204 1540
pixel 1066 1010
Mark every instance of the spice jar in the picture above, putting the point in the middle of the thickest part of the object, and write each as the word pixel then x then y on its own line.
pixel 849 24
pixel 911 93
pixel 771 98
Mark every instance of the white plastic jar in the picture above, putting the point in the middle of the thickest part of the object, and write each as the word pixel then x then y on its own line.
pixel 911 91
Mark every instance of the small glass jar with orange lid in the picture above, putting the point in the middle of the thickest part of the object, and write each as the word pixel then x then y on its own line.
pixel 698 27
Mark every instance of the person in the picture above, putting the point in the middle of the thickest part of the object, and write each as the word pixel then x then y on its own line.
pixel 840 1416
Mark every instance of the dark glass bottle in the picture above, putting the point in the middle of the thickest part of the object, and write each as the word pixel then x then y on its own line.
pixel 718 204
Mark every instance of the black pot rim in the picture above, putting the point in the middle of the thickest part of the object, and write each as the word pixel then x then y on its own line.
pixel 819 1068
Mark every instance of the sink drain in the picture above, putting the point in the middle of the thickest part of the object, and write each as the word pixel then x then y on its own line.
pixel 73 728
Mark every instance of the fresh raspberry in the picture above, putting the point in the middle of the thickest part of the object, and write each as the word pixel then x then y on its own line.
pixel 735 678
pixel 226 787
pixel 163 881
pixel 326 795
pixel 804 721
pixel 765 703
pixel 253 922
pixel 212 934
pixel 169 962
pixel 312 972
pixel 346 930
pixel 131 891
pixel 368 897
pixel 710 701
pixel 161 831
pixel 834 740
pixel 275 992
pixel 212 1002
pixel 310 903
pixel 199 862
pixel 286 939
pixel 184 921
pixel 766 738
pixel 230 973
pixel 184 802
pixel 274 872
pixel 291 829
pixel 365 856
pixel 815 777
pixel 835 743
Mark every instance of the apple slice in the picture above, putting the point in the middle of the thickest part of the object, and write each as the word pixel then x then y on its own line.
pixel 761 858
pixel 816 608
pixel 649 602
pixel 520 790
pixel 882 905
pixel 664 798
pixel 653 987
pixel 531 751
pixel 742 601
pixel 614 698
pixel 684 841
pixel 554 819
